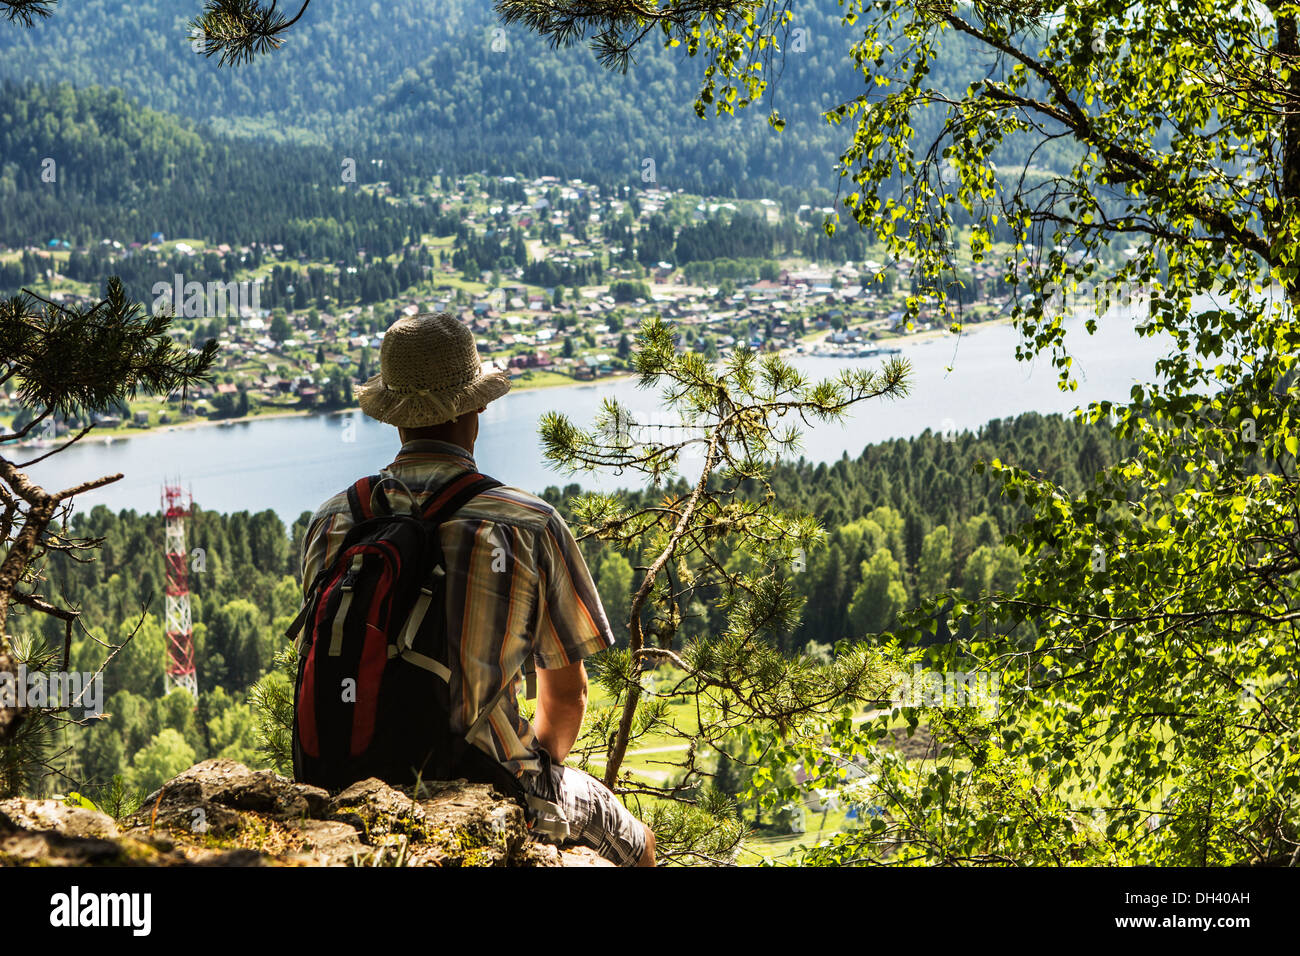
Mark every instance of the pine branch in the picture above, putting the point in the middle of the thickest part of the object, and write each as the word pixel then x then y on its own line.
pixel 71 360
pixel 617 27
pixel 26 12
pixel 237 31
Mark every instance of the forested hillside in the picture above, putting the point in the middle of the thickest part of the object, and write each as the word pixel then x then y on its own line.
pixel 905 519
pixel 430 86
pixel 119 170
pixel 339 59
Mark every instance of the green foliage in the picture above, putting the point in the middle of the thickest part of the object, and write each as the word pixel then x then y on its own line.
pixel 624 290
pixel 705 539
pixel 280 328
pixel 166 755
pixel 880 596
pixel 115 798
pixel 235 31
pixel 68 360
pixel 139 665
pixel 241 602
pixel 935 567
pixel 1156 599
pixel 231 727
pixel 125 171
pixel 706 832
pixel 1143 657
pixel 272 702
pixel 26 753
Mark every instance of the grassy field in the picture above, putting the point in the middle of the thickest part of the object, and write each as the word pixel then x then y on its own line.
pixel 546 380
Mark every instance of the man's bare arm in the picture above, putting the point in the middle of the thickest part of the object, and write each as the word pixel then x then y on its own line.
pixel 561 704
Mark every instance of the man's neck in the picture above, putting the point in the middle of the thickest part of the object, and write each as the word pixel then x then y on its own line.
pixel 451 435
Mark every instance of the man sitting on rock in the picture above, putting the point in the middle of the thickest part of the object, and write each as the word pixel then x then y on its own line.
pixel 517 587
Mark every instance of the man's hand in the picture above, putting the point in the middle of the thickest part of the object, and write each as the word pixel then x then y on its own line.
pixel 561 704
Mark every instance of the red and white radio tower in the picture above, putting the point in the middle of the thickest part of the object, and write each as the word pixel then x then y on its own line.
pixel 176 507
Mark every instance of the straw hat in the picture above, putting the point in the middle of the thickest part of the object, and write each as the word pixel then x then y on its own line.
pixel 429 373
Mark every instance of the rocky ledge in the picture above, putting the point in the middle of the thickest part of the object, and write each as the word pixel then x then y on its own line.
pixel 220 813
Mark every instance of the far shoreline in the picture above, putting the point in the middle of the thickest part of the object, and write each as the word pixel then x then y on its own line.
pixel 126 434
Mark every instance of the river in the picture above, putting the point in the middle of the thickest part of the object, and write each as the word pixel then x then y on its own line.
pixel 291 464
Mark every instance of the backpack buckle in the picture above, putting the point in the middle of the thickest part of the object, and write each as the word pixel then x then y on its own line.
pixel 354 569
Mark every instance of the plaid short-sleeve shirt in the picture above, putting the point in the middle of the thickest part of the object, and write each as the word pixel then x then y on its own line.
pixel 516 585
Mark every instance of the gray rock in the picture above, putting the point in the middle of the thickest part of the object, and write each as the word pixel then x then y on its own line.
pixel 221 813
pixel 328 843
pixel 376 809
pixel 233 785
pixel 55 815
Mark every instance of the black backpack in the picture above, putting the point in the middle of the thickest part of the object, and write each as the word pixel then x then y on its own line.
pixel 372 696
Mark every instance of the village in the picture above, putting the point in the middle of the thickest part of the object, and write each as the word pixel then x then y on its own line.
pixel 304 354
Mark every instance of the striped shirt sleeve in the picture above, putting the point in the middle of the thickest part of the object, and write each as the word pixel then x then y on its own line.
pixel 320 544
pixel 312 558
pixel 571 622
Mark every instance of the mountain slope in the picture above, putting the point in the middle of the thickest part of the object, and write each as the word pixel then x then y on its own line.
pixel 443 85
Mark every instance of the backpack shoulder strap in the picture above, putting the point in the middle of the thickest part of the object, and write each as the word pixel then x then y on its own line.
pixel 366 496
pixel 361 498
pixel 455 494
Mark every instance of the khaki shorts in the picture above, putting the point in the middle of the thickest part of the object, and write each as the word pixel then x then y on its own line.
pixel 597 819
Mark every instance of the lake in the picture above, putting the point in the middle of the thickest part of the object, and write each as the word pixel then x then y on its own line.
pixel 291 464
